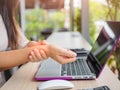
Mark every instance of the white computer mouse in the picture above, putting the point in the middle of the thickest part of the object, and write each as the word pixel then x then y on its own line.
pixel 55 84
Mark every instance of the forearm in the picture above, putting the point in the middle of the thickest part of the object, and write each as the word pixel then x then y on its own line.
pixel 13 58
pixel 9 59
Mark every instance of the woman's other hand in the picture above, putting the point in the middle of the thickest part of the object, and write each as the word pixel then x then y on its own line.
pixel 46 50
pixel 62 55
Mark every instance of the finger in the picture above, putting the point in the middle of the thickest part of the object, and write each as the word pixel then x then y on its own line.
pixel 33 56
pixel 68 53
pixel 43 54
pixel 64 60
pixel 37 54
pixel 69 60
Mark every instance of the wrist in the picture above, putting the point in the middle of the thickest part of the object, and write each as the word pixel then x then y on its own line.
pixel 52 50
pixel 47 49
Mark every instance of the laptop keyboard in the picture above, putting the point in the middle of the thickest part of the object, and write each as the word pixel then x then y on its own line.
pixel 102 88
pixel 80 52
pixel 79 67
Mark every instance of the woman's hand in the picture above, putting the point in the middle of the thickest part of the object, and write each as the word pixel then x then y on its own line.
pixel 46 50
pixel 37 55
pixel 61 55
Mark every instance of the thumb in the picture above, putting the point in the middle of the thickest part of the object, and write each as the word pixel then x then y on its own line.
pixel 68 53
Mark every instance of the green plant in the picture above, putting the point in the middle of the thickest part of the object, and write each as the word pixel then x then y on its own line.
pixel 77 20
pixel 58 18
pixel 39 19
pixel 36 20
pixel 96 13
pixel 113 7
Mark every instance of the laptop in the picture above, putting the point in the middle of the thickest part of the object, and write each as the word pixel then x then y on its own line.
pixel 89 64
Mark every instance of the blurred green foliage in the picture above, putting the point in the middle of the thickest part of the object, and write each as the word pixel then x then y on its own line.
pixel 77 20
pixel 113 12
pixel 36 20
pixel 58 17
pixel 39 19
pixel 97 13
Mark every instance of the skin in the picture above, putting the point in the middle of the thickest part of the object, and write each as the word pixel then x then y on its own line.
pixel 36 55
pixel 9 59
pixel 61 55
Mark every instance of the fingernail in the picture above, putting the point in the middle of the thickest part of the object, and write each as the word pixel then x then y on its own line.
pixel 75 54
pixel 30 57
pixel 32 53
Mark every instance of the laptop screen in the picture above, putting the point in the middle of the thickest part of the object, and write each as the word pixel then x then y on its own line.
pixel 101 51
pixel 113 26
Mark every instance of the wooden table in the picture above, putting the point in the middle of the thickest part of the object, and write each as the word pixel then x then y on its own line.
pixel 23 79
